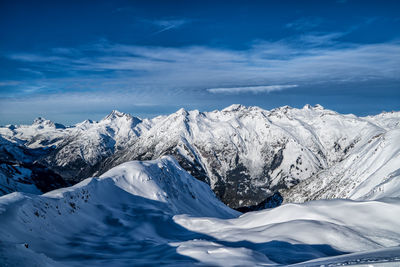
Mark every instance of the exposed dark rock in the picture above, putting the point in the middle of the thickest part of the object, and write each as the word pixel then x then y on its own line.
pixel 271 202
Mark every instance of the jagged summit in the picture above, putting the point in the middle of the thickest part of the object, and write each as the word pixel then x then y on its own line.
pixel 318 107
pixel 117 114
pixel 182 112
pixel 234 107
pixel 121 119
pixel 281 109
pixel 239 108
pixel 42 122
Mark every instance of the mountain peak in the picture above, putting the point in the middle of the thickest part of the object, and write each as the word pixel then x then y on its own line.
pixel 283 109
pixel 318 107
pixel 42 122
pixel 117 114
pixel 234 107
pixel 315 107
pixel 181 111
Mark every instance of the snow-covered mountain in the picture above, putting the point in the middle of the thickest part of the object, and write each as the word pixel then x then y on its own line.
pixel 371 171
pixel 74 151
pixel 154 213
pixel 246 154
pixel 19 171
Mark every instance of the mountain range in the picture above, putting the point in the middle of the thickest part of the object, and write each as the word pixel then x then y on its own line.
pixel 251 158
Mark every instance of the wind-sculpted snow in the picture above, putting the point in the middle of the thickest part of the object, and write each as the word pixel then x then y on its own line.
pixel 296 233
pixel 246 154
pixel 122 217
pixel 154 213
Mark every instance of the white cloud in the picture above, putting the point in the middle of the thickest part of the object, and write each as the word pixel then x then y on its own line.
pixel 166 24
pixel 168 70
pixel 304 24
pixel 9 83
pixel 27 57
pixel 171 22
pixel 250 89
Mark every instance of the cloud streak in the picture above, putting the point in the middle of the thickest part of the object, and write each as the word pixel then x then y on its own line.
pixel 250 89
pixel 304 24
pixel 111 66
pixel 166 25
pixel 160 75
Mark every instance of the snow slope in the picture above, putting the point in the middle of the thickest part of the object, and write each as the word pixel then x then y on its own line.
pixel 124 215
pixel 295 233
pixel 154 213
pixel 372 171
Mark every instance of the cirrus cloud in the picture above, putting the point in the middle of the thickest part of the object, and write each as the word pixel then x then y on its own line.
pixel 250 89
pixel 196 75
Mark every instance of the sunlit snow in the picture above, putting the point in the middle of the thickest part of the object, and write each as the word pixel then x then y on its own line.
pixel 155 213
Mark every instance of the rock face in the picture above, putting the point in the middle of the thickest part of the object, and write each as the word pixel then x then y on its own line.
pixel 246 154
pixel 19 172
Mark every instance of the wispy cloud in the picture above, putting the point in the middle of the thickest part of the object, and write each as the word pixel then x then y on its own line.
pixel 9 83
pixel 29 57
pixel 160 75
pixel 28 70
pixel 315 39
pixel 167 24
pixel 204 67
pixel 304 24
pixel 250 89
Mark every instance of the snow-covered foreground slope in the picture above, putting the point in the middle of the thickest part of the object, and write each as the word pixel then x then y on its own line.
pixel 155 213
pixel 246 154
pixel 122 217
pixel 299 232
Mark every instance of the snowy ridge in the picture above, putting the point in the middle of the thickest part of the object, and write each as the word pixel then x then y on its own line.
pixel 322 229
pixel 246 154
pixel 370 172
pixel 155 213
pixel 69 225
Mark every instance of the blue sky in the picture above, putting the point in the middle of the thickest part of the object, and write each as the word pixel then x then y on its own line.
pixel 73 60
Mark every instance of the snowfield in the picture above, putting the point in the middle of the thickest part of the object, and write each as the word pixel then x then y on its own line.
pixel 154 213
